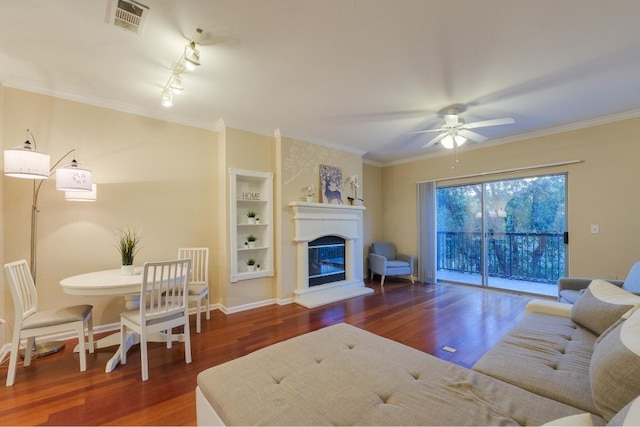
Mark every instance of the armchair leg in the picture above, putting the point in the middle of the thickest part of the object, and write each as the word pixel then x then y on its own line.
pixel 382 280
pixel 412 282
pixel 371 278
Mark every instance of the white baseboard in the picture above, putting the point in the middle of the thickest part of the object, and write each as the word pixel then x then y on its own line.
pixel 5 351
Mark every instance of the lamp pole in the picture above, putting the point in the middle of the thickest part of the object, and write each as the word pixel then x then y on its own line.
pixel 34 215
pixel 48 347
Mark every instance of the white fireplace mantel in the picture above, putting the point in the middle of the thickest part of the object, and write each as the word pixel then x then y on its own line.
pixel 314 220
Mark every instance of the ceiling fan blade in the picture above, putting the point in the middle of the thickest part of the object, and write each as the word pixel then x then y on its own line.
pixel 429 130
pixel 485 123
pixel 472 135
pixel 434 140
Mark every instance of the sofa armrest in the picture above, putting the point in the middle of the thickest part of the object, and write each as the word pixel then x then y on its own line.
pixel 552 308
pixel 405 258
pixel 377 263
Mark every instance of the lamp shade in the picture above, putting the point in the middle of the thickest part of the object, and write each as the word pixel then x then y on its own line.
pixel 72 178
pixel 82 196
pixel 26 163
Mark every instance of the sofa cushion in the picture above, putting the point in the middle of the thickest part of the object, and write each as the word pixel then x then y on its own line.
pixel 342 375
pixel 629 415
pixel 570 296
pixel 585 420
pixel 615 367
pixel 547 355
pixel 601 305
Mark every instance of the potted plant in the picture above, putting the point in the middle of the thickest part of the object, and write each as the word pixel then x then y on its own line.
pixel 257 267
pixel 251 264
pixel 251 216
pixel 354 181
pixel 128 242
pixel 251 240
pixel 257 220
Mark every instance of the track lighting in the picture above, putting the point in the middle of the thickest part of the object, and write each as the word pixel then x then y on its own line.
pixel 176 84
pixel 189 61
pixel 167 98
pixel 191 56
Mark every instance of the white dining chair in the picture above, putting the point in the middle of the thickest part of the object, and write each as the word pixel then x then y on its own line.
pixel 199 280
pixel 163 306
pixel 31 322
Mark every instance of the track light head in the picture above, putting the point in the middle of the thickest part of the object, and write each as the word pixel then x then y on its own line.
pixel 191 56
pixel 167 98
pixel 176 84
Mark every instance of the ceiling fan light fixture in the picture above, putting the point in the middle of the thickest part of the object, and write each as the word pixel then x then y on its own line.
pixel 447 142
pixel 451 141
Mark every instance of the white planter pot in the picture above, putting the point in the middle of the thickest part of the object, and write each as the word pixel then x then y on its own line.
pixel 127 270
pixel 252 245
pixel 251 220
pixel 251 268
pixel 309 199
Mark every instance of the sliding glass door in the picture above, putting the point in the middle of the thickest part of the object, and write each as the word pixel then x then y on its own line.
pixel 504 234
pixel 459 234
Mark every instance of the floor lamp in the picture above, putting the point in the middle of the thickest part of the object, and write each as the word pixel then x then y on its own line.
pixel 26 162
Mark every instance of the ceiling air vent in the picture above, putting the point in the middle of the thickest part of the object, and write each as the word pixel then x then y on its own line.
pixel 127 14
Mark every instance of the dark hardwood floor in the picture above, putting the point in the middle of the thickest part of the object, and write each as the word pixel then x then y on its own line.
pixel 52 391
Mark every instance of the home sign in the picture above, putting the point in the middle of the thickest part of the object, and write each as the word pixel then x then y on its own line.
pixel 249 195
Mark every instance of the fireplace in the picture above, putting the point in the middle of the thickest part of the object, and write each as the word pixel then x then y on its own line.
pixel 329 247
pixel 326 260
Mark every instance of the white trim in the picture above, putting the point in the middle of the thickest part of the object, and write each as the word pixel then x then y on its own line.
pixel 503 171
pixel 249 306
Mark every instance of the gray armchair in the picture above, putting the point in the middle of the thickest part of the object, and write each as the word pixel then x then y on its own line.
pixel 570 288
pixel 385 261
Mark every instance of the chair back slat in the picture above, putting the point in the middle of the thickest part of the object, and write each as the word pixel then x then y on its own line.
pixel 23 290
pixel 164 289
pixel 199 264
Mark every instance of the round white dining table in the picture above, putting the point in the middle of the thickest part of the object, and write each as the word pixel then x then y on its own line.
pixel 113 282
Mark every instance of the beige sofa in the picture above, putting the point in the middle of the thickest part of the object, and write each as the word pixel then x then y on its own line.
pixel 564 364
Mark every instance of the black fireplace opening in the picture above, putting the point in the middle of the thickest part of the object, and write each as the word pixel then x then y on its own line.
pixel 326 260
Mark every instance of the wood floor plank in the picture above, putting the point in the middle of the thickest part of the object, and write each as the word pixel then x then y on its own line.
pixel 52 391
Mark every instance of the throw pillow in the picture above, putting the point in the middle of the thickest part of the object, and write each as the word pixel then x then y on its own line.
pixel 628 416
pixel 615 368
pixel 601 305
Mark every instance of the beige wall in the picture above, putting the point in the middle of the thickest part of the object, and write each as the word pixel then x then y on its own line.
pixel 254 152
pixel 372 183
pixel 602 190
pixel 172 182
pixel 300 167
pixel 153 175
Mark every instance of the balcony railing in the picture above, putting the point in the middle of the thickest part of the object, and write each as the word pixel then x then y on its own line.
pixel 534 257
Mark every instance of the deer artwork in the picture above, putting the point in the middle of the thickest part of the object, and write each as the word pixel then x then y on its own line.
pixel 331 193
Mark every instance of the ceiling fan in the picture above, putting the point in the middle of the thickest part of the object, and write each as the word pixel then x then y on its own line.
pixel 456 132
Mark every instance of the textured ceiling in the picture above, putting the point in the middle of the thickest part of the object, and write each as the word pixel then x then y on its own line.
pixel 358 73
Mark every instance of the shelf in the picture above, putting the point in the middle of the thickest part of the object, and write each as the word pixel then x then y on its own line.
pixel 251 190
